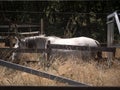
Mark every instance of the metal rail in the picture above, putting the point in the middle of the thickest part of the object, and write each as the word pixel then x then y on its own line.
pixel 73 47
pixel 6 11
pixel 20 26
pixel 23 33
pixel 41 73
pixel 56 46
pixel 24 50
pixel 116 18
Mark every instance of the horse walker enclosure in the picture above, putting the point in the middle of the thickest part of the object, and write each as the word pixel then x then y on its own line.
pixel 13 30
pixel 111 48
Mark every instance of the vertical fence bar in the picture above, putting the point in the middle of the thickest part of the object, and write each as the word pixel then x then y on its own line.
pixel 48 52
pixel 110 38
pixel 42 28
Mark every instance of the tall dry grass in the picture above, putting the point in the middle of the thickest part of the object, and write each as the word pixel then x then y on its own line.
pixel 89 72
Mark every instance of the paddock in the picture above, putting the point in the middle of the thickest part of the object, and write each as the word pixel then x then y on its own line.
pixel 64 70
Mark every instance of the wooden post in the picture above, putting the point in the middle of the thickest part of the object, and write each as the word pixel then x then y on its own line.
pixel 42 32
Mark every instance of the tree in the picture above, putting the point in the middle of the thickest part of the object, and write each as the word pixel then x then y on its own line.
pixel 64 18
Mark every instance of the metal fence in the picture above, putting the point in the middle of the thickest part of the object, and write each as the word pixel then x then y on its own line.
pixel 48 51
pixel 49 48
pixel 41 74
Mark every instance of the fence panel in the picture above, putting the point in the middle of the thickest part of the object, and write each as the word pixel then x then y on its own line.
pixel 72 47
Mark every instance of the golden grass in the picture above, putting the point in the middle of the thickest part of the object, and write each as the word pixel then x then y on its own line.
pixel 91 73
pixel 84 72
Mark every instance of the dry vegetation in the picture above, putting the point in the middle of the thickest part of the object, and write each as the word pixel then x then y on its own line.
pixel 89 72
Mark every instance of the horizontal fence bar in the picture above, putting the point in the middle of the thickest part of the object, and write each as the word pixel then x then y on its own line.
pixel 107 49
pixel 21 26
pixel 4 26
pixel 25 50
pixel 7 33
pixel 29 34
pixel 24 33
pixel 68 47
pixel 26 26
pixel 71 47
pixel 33 12
pixel 41 74
pixel 37 32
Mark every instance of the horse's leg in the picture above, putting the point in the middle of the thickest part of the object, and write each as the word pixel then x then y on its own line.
pixel 15 57
pixel 99 54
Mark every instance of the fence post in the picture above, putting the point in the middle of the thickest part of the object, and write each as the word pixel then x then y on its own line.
pixel 110 38
pixel 48 52
pixel 42 28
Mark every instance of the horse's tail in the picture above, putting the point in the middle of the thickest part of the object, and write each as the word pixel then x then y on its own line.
pixel 98 44
pixel 99 53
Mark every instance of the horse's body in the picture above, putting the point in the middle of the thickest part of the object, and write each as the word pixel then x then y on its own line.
pixel 40 42
pixel 78 41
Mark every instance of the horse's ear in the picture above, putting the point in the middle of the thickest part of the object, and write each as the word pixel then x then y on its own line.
pixel 18 39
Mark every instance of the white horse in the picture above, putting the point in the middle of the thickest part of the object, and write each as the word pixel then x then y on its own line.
pixel 77 41
pixel 40 42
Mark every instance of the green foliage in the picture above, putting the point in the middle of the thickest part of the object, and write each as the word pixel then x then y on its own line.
pixel 64 18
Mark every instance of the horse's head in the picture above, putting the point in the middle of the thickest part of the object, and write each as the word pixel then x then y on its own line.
pixel 20 43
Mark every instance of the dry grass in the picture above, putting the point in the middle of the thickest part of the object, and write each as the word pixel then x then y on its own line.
pixel 91 73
